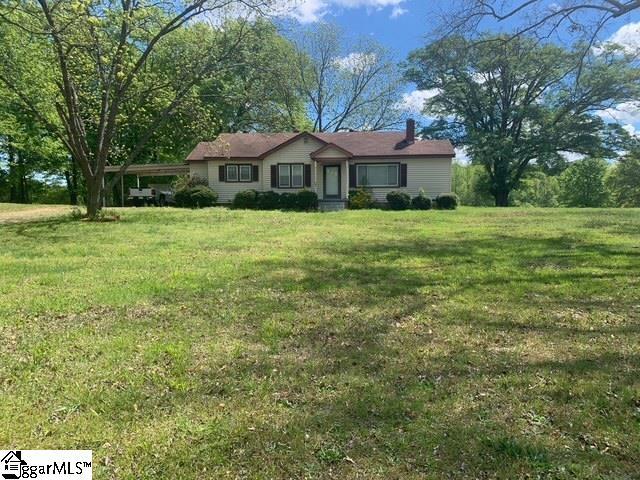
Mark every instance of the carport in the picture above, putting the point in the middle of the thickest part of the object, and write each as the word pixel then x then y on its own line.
pixel 146 170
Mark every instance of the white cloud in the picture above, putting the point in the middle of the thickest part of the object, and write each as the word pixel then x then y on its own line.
pixel 572 156
pixel 309 11
pixel 356 61
pixel 413 102
pixel 398 12
pixel 462 157
pixel 627 112
pixel 627 36
pixel 631 130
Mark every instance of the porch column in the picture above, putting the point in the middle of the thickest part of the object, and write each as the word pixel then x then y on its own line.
pixel 345 180
pixel 315 177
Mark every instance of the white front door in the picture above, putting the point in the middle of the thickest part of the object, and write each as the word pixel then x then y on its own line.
pixel 332 181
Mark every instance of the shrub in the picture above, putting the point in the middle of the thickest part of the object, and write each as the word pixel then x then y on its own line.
pixel 195 197
pixel 421 202
pixel 288 201
pixel 307 200
pixel 247 199
pixel 268 200
pixel 360 199
pixel 398 200
pixel 447 201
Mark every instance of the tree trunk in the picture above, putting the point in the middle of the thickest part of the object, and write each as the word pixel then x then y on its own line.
pixel 71 176
pixel 502 197
pixel 94 197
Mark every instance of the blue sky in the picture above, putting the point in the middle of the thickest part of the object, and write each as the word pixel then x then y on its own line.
pixel 404 25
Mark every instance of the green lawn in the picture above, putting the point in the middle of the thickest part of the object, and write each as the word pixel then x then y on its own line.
pixel 480 343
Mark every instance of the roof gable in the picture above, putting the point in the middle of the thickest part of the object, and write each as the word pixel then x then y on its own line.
pixel 331 150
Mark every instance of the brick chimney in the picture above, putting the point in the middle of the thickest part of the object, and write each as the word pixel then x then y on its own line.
pixel 411 130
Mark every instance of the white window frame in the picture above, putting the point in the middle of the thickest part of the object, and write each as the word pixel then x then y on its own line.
pixel 390 164
pixel 229 168
pixel 301 175
pixel 245 167
pixel 288 167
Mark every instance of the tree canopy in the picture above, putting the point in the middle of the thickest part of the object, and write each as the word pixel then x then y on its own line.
pixel 511 103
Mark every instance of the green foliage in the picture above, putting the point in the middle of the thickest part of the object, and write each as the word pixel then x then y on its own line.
pixel 288 201
pixel 268 200
pixel 471 184
pixel 247 199
pixel 537 190
pixel 361 199
pixel 583 184
pixel 307 201
pixel 623 181
pixel 447 201
pixel 198 196
pixel 398 201
pixel 514 101
pixel 421 202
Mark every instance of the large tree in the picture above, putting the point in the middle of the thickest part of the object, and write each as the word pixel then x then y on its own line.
pixel 511 103
pixel 584 19
pixel 98 52
pixel 347 85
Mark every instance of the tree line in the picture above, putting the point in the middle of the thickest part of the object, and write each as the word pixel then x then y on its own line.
pixel 90 83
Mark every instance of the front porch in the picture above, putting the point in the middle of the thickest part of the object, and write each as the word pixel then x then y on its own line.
pixel 331 177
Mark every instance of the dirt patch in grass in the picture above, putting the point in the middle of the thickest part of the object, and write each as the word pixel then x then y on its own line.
pixel 9 213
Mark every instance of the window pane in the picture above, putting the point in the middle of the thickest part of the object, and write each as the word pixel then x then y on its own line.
pixel 383 175
pixel 245 173
pixel 362 175
pixel 392 172
pixel 232 173
pixel 283 174
pixel 377 175
pixel 297 175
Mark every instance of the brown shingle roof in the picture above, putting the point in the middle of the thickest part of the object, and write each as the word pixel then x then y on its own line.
pixel 360 144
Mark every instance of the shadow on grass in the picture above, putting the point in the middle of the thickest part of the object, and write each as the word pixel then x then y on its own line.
pixel 369 359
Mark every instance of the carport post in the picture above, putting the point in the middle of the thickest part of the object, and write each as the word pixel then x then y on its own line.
pixel 122 190
pixel 138 181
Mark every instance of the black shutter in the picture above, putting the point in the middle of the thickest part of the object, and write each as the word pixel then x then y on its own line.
pixel 274 176
pixel 307 175
pixel 403 174
pixel 221 172
pixel 256 173
pixel 352 176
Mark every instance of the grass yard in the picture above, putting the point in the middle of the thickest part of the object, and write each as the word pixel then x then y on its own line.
pixel 480 343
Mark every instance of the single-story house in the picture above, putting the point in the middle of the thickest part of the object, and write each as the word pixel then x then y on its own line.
pixel 330 164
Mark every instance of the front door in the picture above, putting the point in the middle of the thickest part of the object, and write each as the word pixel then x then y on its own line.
pixel 332 181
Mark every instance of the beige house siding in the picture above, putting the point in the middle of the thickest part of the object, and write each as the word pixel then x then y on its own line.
pixel 227 190
pixel 331 152
pixel 296 152
pixel 431 174
pixel 198 169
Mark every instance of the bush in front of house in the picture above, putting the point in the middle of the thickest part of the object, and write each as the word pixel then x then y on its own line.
pixel 360 199
pixel 398 200
pixel 307 200
pixel 268 200
pixel 247 199
pixel 288 201
pixel 421 202
pixel 198 196
pixel 447 201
